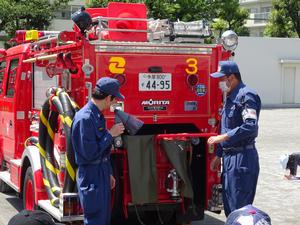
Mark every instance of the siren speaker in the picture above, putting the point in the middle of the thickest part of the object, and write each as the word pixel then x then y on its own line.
pixel 127 10
pixel 131 123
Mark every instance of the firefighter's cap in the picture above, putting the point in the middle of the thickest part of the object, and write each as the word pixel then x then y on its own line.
pixel 248 215
pixel 226 68
pixel 36 217
pixel 109 86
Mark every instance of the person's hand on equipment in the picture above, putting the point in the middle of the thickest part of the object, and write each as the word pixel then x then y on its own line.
pixel 117 129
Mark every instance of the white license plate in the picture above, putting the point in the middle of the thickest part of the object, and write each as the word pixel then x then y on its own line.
pixel 155 82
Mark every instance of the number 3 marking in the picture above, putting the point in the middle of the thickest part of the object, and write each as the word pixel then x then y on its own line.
pixel 192 66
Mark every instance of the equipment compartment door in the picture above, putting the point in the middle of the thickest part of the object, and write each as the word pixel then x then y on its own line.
pixel 8 113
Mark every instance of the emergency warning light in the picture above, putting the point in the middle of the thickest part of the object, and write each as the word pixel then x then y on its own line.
pixel 230 40
pixel 31 35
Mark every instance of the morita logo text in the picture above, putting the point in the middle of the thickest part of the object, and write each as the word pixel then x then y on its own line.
pixel 155 102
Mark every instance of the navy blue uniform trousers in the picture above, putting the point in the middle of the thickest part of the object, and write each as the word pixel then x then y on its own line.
pixel 93 183
pixel 239 179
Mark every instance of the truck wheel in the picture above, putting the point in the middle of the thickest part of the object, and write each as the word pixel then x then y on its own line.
pixel 29 191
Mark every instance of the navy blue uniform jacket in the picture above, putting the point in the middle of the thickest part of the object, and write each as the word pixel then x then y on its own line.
pixel 92 146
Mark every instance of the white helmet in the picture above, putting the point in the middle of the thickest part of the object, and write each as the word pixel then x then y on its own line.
pixel 283 159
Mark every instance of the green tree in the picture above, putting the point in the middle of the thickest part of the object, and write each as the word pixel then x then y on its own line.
pixel 285 19
pixel 219 26
pixel 235 16
pixel 23 14
pixel 186 10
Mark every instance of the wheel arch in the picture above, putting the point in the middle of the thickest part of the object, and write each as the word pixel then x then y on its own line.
pixel 31 158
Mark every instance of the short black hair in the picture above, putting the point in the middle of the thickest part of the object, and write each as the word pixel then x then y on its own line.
pixel 99 95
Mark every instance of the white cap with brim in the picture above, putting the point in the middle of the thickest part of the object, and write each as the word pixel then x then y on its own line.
pixel 217 75
pixel 283 159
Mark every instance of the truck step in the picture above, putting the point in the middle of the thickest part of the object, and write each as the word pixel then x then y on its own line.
pixel 5 176
pixel 16 162
pixel 55 212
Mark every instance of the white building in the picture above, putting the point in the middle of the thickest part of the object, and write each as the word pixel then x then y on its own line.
pixel 259 12
pixel 62 19
pixel 271 66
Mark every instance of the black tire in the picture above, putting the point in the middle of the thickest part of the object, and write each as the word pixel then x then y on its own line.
pixel 29 191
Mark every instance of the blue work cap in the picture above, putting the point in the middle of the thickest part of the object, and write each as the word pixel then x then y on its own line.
pixel 248 215
pixel 225 68
pixel 109 86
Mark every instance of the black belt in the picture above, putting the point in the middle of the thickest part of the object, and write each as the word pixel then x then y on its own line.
pixel 238 149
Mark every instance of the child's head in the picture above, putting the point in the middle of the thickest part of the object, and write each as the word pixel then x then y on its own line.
pixel 283 159
pixel 248 215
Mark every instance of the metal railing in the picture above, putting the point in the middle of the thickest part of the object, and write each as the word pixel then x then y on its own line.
pixel 159 30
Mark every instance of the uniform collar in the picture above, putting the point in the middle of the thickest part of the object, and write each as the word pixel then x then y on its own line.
pixel 236 90
pixel 94 108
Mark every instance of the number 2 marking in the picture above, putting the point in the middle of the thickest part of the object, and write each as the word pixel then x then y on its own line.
pixel 117 65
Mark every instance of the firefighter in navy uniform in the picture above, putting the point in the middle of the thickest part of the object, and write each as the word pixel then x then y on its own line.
pixel 92 144
pixel 236 143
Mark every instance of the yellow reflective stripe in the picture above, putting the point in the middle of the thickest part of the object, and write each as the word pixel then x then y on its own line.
pixel 53 200
pixel 45 122
pixel 58 91
pixel 74 104
pixel 50 132
pixel 62 118
pixel 43 119
pixel 51 167
pixel 70 169
pixel 42 151
pixel 46 182
pixel 55 188
pixel 68 121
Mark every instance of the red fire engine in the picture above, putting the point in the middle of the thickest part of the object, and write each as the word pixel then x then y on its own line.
pixel 163 68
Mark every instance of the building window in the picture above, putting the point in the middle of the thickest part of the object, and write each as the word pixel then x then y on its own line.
pixel 266 9
pixel 65 14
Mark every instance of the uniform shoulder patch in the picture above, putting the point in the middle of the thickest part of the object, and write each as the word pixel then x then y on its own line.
pixel 249 113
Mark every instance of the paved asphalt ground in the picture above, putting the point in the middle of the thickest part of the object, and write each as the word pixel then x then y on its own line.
pixel 279 133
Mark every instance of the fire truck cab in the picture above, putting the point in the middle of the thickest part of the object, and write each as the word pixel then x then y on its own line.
pixel 162 169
